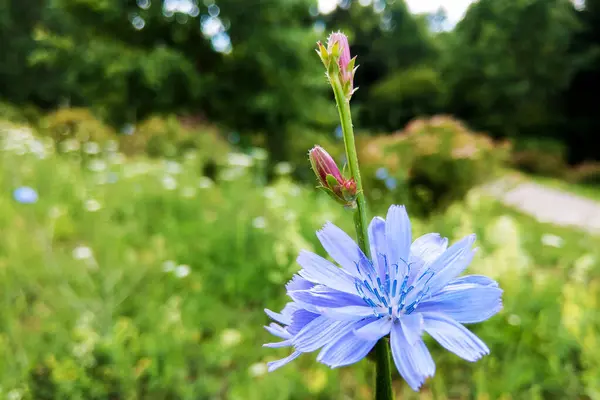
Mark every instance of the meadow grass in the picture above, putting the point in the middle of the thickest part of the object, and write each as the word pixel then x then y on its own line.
pixel 143 279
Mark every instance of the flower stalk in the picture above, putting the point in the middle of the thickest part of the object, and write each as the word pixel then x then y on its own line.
pixel 341 82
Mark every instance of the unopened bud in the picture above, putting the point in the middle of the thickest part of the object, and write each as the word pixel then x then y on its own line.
pixel 339 49
pixel 332 181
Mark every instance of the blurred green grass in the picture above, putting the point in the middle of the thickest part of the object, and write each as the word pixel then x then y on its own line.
pixel 142 279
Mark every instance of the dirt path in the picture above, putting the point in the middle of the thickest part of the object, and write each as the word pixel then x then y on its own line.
pixel 548 204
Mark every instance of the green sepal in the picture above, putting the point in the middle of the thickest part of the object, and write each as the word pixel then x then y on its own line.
pixel 333 195
pixel 335 50
pixel 345 170
pixel 323 54
pixel 348 196
pixel 331 181
pixel 351 64
pixel 333 69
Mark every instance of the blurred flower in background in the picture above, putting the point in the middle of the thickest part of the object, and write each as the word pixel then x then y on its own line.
pixel 25 195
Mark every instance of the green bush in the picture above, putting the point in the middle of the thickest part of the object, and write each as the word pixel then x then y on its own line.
pixel 167 137
pixel 430 164
pixel 153 287
pixel 540 156
pixel 586 174
pixel 19 114
pixel 400 96
pixel 72 127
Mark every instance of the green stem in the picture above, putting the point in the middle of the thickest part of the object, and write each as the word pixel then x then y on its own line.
pixel 383 387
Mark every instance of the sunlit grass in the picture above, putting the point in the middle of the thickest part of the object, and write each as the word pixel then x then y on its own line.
pixel 138 278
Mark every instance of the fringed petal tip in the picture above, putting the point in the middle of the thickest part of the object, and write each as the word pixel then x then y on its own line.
pixel 274 365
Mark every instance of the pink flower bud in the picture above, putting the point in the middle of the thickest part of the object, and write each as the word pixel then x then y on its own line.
pixel 323 165
pixel 341 189
pixel 344 61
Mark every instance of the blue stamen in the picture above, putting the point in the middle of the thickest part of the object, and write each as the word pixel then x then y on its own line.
pixel 410 308
pixel 394 287
pixel 378 295
pixel 404 284
pixel 384 302
pixel 358 285
pixel 368 286
pixel 369 302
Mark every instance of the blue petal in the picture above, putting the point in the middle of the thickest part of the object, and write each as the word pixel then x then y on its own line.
pixel 349 349
pixel 378 245
pixel 451 271
pixel 318 270
pixel 455 251
pixel 273 365
pixel 278 330
pixel 285 316
pixel 300 319
pixel 343 249
pixel 480 280
pixel 275 345
pixel 414 362
pixel 412 327
pixel 398 236
pixel 349 313
pixel 320 332
pixel 298 283
pixel 322 296
pixel 425 250
pixel 465 303
pixel 451 264
pixel 454 337
pixel 375 329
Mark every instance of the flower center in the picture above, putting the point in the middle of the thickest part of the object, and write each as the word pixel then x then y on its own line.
pixel 397 294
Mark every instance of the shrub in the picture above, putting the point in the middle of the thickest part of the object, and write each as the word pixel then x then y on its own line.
pixel 400 96
pixel 168 137
pixel 540 156
pixel 430 164
pixel 586 174
pixel 76 125
pixel 19 114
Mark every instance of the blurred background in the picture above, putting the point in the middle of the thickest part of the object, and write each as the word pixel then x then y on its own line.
pixel 155 188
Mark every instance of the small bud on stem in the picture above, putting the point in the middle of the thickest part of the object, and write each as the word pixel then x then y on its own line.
pixel 337 61
pixel 341 189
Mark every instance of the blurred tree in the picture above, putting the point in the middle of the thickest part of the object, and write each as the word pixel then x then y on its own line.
pixel 17 20
pixel 507 62
pixel 391 43
pixel 251 68
pixel 580 100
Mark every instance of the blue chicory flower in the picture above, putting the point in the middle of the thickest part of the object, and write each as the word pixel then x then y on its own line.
pixel 408 288
pixel 381 173
pixel 391 183
pixel 25 195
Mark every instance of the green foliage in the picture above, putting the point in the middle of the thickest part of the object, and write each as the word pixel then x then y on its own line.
pixel 152 286
pixel 506 63
pixel 75 124
pixel 401 96
pixel 168 137
pixel 96 58
pixel 586 174
pixel 433 163
pixel 23 115
pixel 539 156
